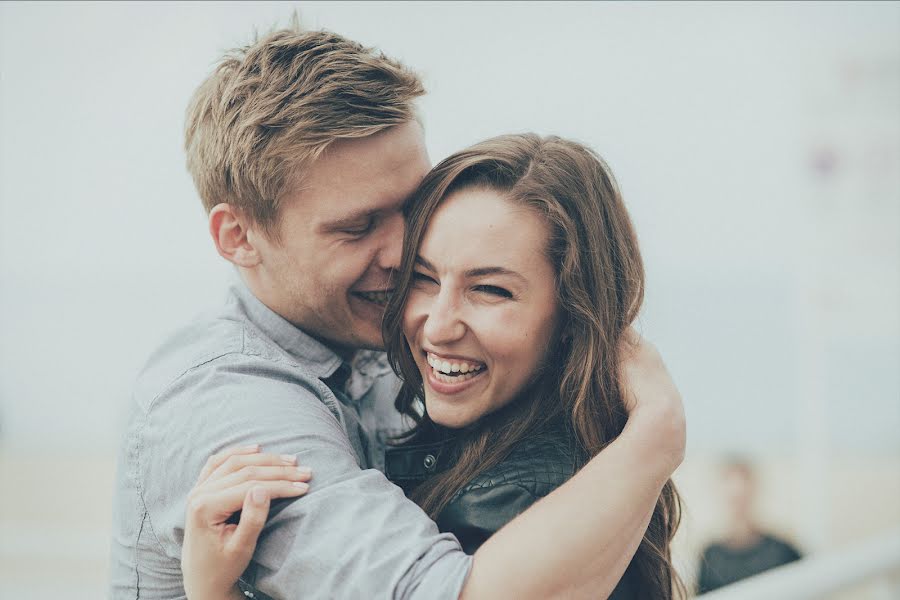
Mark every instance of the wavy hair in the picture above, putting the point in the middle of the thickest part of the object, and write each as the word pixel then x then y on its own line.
pixel 600 281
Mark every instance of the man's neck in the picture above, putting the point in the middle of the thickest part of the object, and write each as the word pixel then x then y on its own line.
pixel 345 353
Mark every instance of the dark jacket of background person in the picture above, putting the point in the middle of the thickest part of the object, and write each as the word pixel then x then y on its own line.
pixel 534 468
pixel 722 564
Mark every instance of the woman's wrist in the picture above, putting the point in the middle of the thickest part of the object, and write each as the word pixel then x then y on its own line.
pixel 660 433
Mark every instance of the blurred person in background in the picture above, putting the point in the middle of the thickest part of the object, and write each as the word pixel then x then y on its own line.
pixel 745 550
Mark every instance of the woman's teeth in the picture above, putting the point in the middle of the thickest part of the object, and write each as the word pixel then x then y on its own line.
pixel 454 378
pixel 455 371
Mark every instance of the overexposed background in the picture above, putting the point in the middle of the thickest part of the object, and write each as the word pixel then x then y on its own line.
pixel 757 146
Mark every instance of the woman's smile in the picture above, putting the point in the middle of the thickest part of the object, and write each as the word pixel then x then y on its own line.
pixel 451 375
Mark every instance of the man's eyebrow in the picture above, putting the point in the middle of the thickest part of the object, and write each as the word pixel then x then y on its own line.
pixel 351 219
pixel 364 214
pixel 475 273
pixel 424 263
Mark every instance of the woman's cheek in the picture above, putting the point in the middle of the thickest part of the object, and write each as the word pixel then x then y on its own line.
pixel 500 331
pixel 414 313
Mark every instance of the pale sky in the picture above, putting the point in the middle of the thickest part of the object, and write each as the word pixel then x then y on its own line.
pixel 757 146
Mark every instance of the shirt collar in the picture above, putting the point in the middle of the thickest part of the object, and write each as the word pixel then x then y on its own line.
pixel 318 358
pixel 368 366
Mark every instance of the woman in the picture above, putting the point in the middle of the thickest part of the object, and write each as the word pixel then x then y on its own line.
pixel 519 279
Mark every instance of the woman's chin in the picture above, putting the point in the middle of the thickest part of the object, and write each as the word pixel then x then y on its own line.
pixel 451 419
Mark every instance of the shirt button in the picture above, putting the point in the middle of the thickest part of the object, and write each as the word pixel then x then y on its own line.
pixel 430 462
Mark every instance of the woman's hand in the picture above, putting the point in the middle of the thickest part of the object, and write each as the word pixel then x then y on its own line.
pixel 216 552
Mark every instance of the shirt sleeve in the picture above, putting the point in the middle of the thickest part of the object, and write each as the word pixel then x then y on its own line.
pixel 354 535
pixel 476 514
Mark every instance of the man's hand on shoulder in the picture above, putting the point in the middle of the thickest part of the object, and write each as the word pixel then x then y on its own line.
pixel 653 401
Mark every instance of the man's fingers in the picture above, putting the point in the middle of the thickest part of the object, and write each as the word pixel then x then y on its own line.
pixel 631 337
pixel 214 508
pixel 643 376
pixel 258 473
pixel 216 460
pixel 254 512
pixel 630 346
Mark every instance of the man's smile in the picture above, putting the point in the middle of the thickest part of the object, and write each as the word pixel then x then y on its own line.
pixel 379 297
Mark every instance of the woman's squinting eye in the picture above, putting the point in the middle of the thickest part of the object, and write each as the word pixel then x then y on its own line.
pixel 494 291
pixel 419 277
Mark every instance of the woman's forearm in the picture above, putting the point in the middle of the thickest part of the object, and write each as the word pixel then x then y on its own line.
pixel 578 541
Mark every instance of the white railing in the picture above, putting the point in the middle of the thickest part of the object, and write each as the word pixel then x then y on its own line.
pixel 877 560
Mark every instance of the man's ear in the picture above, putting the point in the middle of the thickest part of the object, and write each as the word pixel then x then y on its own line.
pixel 229 229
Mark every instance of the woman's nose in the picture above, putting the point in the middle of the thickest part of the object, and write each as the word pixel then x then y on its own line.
pixel 443 323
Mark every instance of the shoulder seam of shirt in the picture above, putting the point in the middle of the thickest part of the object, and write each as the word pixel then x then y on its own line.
pixel 140 435
pixel 278 357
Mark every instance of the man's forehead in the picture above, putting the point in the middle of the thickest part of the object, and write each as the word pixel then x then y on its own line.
pixel 393 148
pixel 366 175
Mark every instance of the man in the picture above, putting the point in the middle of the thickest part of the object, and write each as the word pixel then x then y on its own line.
pixel 304 148
pixel 745 550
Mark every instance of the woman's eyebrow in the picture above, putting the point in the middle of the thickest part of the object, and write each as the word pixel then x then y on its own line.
pixel 476 272
pixel 485 271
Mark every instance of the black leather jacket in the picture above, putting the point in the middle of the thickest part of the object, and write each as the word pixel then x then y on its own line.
pixel 534 468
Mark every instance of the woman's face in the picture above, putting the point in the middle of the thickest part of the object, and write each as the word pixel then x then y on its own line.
pixel 481 309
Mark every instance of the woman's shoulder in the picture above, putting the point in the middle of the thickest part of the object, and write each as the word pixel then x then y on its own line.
pixel 537 465
pixel 534 468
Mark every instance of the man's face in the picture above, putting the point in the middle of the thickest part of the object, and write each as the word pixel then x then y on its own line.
pixel 341 233
pixel 738 491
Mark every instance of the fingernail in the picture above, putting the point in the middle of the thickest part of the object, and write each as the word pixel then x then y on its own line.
pixel 301 486
pixel 259 495
pixel 304 470
pixel 289 459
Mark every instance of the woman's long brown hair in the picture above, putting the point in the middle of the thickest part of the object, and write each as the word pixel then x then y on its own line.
pixel 600 280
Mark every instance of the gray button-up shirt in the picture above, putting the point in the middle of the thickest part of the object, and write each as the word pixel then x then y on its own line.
pixel 244 375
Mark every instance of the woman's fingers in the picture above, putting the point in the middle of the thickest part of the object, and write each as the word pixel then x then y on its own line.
pixel 257 473
pixel 216 460
pixel 236 462
pixel 254 512
pixel 207 508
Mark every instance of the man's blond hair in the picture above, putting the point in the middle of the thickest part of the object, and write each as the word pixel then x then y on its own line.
pixel 269 109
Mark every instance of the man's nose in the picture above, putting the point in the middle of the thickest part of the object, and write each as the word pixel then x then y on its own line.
pixel 391 249
pixel 443 324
